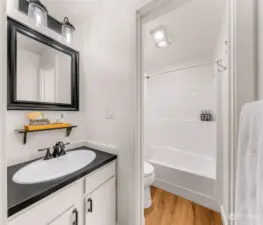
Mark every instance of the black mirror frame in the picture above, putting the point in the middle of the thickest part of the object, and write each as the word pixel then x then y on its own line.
pixel 13 27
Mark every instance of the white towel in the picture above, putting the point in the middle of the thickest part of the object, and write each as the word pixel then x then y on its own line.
pixel 249 182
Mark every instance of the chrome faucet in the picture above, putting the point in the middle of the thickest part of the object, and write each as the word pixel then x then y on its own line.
pixel 58 150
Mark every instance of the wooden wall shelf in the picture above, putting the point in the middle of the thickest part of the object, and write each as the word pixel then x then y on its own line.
pixel 24 132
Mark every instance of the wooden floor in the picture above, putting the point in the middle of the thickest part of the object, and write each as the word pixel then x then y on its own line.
pixel 169 209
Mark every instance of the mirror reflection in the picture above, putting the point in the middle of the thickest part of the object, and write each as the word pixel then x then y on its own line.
pixel 43 73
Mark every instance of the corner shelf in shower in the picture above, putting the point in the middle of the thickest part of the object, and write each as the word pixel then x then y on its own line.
pixel 24 132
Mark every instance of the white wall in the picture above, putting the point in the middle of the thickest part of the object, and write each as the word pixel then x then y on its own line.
pixel 260 49
pixel 16 151
pixel 193 30
pixel 193 36
pixel 110 62
pixel 63 78
pixel 174 104
pixel 27 79
pixel 109 53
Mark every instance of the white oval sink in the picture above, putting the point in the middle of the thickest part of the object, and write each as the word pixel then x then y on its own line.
pixel 46 170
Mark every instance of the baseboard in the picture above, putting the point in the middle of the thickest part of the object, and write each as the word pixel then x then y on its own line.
pixel 223 215
pixel 191 195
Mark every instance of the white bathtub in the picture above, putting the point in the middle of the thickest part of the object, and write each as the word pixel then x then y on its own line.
pixel 185 174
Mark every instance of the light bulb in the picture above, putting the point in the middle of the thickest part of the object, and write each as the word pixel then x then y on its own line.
pixel 38 19
pixel 159 36
pixel 163 44
pixel 68 38
pixel 67 30
pixel 38 14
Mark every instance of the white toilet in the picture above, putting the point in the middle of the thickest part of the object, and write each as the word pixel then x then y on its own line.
pixel 149 177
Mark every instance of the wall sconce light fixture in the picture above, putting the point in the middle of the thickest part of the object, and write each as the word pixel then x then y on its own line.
pixel 67 30
pixel 37 12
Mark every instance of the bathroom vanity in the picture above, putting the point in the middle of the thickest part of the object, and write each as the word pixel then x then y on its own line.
pixel 87 196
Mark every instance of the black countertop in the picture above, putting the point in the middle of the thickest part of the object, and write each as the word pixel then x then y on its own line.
pixel 21 196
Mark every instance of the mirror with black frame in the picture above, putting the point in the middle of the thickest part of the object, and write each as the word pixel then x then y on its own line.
pixel 43 73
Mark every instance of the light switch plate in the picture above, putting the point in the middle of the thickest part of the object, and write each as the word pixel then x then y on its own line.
pixel 110 113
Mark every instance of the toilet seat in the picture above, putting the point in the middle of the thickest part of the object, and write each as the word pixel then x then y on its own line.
pixel 148 169
pixel 149 177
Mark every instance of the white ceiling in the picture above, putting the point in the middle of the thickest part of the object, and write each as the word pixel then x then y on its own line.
pixel 83 10
pixel 30 44
pixel 75 10
pixel 193 29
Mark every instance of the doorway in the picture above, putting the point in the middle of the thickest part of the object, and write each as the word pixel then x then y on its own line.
pixel 47 84
pixel 169 81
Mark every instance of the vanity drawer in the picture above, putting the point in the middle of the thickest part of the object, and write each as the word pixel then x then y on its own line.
pixel 96 179
pixel 50 208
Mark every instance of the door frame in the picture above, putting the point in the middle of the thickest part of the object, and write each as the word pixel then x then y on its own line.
pixel 234 13
pixel 42 82
pixel 3 103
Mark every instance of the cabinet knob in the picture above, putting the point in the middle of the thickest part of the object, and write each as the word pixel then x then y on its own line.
pixel 90 209
pixel 76 217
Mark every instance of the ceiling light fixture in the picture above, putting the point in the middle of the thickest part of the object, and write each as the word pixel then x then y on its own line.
pixel 162 44
pixel 67 30
pixel 160 37
pixel 37 12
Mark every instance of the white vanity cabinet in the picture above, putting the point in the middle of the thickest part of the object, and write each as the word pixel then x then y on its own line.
pixel 90 200
pixel 100 205
pixel 70 217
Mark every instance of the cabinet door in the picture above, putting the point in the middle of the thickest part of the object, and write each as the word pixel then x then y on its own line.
pixel 101 205
pixel 46 211
pixel 70 217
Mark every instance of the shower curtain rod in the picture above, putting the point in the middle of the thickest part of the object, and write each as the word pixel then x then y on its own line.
pixel 219 63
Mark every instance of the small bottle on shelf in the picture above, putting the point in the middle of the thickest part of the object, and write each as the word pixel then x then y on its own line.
pixel 203 115
pixel 206 115
pixel 211 115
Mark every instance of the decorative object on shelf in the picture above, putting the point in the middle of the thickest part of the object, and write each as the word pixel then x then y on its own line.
pixel 67 30
pixel 37 12
pixel 37 118
pixel 39 122
pixel 60 119
pixel 206 115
